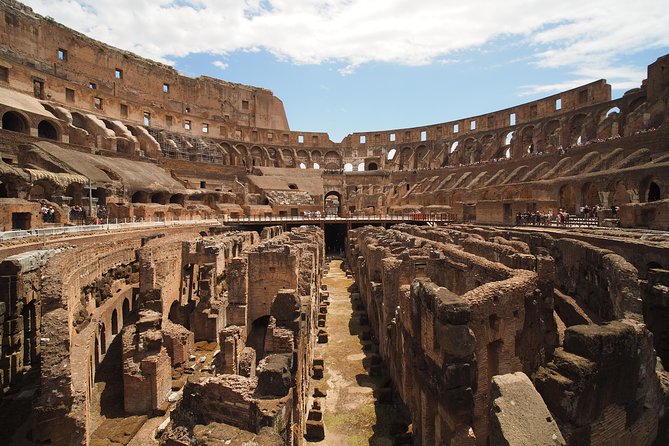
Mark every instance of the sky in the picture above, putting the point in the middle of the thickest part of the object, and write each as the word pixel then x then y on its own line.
pixel 344 66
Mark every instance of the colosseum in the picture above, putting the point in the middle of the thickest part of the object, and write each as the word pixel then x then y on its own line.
pixel 180 268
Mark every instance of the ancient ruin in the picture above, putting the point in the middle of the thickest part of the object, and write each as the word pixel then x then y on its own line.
pixel 178 267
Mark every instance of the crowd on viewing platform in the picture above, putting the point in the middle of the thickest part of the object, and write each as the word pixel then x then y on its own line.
pixel 587 216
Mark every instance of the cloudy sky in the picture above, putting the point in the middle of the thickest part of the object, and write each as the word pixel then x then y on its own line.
pixel 342 66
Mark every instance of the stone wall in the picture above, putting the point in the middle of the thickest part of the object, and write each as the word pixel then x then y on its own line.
pixel 462 320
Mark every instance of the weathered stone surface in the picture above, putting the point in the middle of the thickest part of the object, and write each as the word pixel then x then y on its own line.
pixel 518 415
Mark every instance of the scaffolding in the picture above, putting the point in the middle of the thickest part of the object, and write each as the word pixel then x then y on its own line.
pixel 176 146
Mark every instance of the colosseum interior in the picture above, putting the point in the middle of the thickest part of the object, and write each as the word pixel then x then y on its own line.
pixel 179 267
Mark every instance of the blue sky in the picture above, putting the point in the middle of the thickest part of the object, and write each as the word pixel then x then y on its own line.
pixel 343 66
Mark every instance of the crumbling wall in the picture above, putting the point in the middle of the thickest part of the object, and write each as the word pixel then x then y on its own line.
pixel 460 318
pixel 602 386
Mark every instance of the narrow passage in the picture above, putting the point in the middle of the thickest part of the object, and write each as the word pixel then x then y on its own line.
pixel 359 408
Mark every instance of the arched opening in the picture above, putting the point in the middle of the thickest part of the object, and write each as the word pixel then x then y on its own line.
pixel 96 353
pixel 114 322
pixel 41 190
pixel 620 194
pixel 177 199
pixel 454 146
pixel 391 154
pixel 159 198
pixel 591 195
pixel 568 199
pixel 175 312
pixel 332 204
pixel 47 130
pixel 256 339
pixel 126 310
pixel 76 192
pixel 654 193
pixel 14 122
pixel 103 338
pixel 317 166
pixel 372 166
pixel 348 167
pixel 611 111
pixel 361 167
pixel 303 166
pixel 140 197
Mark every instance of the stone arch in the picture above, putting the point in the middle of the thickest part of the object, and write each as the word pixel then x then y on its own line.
pixel 42 190
pixel 551 134
pixel 619 194
pixel 590 194
pixel 15 121
pixel 405 156
pixel 316 156
pixel 140 197
pixel 160 197
pixel 46 129
pixel 288 158
pixel 332 206
pixel 76 191
pixel 102 334
pixel 527 146
pixel 651 189
pixel 114 322
pixel 567 198
pixel 125 310
pixel 577 132
pixel 488 147
pixel 372 166
pixel 302 157
pixel 178 199
pixel 257 156
pixel 419 155
pixel 332 160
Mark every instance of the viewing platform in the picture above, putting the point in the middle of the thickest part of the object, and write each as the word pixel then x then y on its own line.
pixel 430 219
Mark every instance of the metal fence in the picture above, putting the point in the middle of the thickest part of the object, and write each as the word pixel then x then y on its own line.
pixel 80 229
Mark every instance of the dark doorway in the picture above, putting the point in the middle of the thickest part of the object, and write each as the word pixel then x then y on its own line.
pixel 256 339
pixel 508 213
pixel 335 239
pixel 653 192
pixel 21 220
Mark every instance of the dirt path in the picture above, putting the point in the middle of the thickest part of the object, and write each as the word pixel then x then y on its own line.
pixel 351 411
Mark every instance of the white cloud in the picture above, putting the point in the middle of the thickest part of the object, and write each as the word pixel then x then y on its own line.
pixel 220 64
pixel 581 35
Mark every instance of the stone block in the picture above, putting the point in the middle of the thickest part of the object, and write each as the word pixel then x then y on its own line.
pixel 315 430
pixel 518 416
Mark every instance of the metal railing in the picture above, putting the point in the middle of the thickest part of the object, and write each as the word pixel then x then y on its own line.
pixel 336 218
pixel 571 221
pixel 78 229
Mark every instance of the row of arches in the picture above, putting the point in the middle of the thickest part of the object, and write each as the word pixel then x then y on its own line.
pixel 14 121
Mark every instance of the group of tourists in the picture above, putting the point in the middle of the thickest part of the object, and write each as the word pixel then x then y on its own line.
pixel 310 214
pixel 48 213
pixel 77 213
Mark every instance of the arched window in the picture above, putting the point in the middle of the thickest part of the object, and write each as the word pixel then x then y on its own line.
pixel 46 130
pixel 654 192
pixel 14 122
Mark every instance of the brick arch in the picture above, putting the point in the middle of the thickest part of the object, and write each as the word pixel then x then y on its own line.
pixel 16 121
